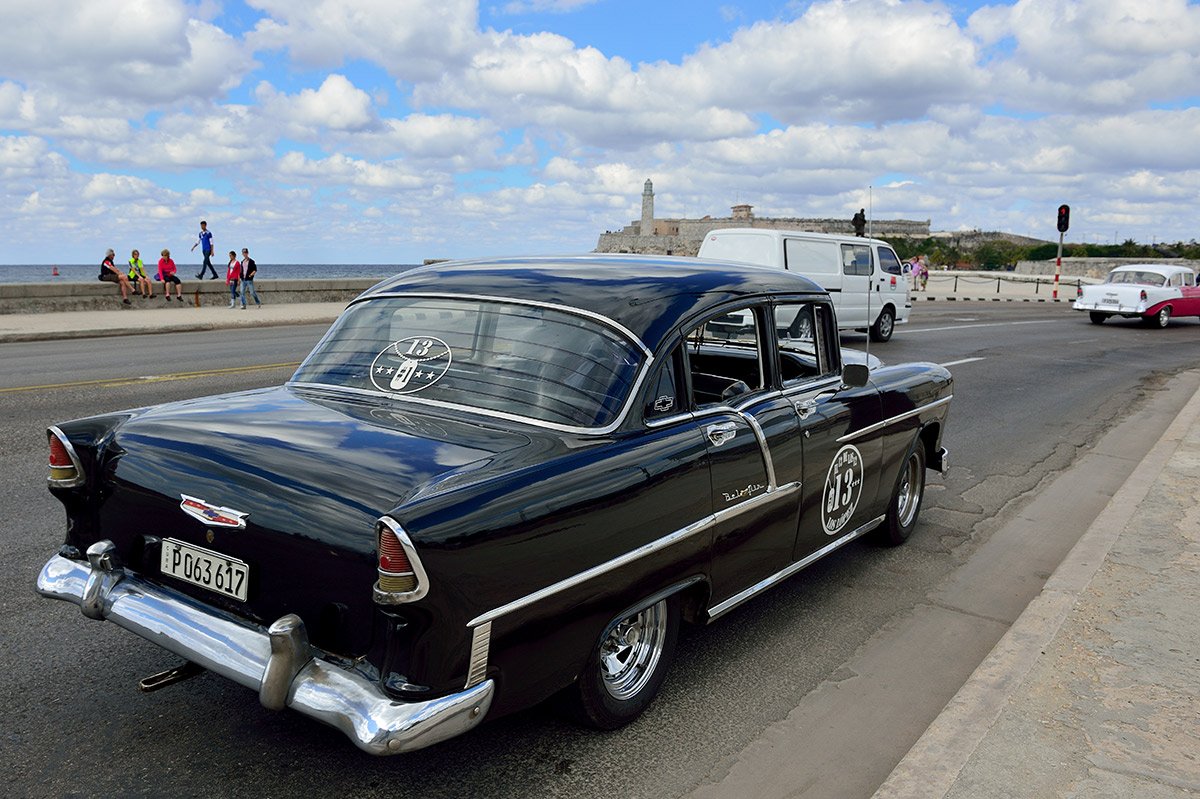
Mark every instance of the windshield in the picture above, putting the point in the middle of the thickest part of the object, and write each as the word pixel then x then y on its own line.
pixel 1138 277
pixel 529 361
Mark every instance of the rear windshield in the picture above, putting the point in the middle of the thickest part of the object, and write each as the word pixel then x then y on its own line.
pixel 540 363
pixel 1137 277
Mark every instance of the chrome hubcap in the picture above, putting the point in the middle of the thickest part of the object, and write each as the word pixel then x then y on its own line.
pixel 908 497
pixel 885 325
pixel 630 653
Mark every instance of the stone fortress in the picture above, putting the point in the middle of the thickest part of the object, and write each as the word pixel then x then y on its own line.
pixel 683 236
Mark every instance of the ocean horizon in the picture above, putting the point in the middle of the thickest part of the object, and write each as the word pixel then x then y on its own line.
pixel 88 273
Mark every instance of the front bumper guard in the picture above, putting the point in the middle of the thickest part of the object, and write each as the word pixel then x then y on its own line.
pixel 277 662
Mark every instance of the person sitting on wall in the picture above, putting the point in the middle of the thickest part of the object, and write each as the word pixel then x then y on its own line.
pixel 138 277
pixel 110 274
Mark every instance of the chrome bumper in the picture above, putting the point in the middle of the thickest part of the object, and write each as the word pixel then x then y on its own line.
pixel 941 460
pixel 277 662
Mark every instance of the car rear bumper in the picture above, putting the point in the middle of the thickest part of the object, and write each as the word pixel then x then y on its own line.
pixel 277 661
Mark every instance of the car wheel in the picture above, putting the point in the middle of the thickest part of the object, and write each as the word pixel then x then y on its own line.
pixel 1161 318
pixel 1097 317
pixel 627 667
pixel 905 504
pixel 884 326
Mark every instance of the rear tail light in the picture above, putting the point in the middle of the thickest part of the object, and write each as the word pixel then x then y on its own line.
pixel 65 470
pixel 1143 295
pixel 401 576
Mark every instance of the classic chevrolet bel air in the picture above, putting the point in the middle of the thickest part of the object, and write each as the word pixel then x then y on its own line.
pixel 492 482
pixel 1152 292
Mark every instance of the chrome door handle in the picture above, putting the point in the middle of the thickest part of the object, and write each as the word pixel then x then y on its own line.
pixel 718 434
pixel 806 408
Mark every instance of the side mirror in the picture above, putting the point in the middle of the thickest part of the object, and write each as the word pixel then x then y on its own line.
pixel 855 375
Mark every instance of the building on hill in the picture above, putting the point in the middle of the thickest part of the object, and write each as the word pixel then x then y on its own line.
pixel 654 236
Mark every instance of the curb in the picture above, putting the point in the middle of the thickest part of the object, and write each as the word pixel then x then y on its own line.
pixel 991 299
pixel 933 764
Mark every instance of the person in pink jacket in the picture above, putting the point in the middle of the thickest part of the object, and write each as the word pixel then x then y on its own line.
pixel 166 273
pixel 233 276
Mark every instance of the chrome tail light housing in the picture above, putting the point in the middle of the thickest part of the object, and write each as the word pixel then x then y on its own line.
pixel 65 468
pixel 401 578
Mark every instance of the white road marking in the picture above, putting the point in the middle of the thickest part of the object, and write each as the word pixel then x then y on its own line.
pixel 981 324
pixel 956 363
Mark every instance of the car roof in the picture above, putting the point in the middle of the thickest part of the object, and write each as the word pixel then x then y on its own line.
pixel 647 295
pixel 1162 269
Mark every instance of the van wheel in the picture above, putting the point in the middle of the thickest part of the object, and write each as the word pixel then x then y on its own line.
pixel 884 326
pixel 627 667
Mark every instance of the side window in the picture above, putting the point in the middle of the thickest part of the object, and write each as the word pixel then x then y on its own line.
pixel 665 398
pixel 1177 279
pixel 888 262
pixel 856 259
pixel 724 358
pixel 804 334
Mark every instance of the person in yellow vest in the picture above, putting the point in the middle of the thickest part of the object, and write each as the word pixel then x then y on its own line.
pixel 138 277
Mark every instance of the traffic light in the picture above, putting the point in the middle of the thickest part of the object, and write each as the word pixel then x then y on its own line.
pixel 1064 218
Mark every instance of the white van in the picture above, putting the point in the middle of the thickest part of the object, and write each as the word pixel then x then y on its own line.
pixel 866 281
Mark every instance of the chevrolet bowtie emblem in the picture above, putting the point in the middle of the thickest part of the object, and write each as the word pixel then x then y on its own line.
pixel 213 514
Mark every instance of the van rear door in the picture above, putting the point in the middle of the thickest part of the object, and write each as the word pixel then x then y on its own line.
pixel 857 268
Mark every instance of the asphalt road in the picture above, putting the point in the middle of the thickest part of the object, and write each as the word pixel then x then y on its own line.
pixel 1034 386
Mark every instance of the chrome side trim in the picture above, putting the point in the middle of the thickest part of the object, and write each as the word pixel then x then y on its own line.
pixel 382 597
pixel 642 551
pixel 278 663
pixel 722 608
pixel 762 446
pixel 481 638
pixel 898 418
pixel 53 430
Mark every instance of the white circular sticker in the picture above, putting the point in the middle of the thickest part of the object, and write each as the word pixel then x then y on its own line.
pixel 410 364
pixel 843 487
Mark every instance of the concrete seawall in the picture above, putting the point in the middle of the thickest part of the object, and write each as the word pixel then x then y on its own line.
pixel 100 296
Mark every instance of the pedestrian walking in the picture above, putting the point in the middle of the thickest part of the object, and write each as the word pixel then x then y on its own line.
pixel 233 276
pixel 923 273
pixel 205 240
pixel 138 276
pixel 110 274
pixel 166 273
pixel 249 270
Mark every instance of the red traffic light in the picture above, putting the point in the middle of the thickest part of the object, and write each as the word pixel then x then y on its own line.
pixel 1064 218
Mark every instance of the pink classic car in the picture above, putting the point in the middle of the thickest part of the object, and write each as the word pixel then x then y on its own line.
pixel 1153 292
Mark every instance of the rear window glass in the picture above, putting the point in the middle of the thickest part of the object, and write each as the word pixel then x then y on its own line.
pixel 1138 278
pixel 540 363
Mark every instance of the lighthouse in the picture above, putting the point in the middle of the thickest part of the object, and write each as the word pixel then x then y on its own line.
pixel 647 228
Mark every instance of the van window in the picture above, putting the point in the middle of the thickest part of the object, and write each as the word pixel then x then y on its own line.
pixel 807 256
pixel 856 259
pixel 889 263
pixel 742 247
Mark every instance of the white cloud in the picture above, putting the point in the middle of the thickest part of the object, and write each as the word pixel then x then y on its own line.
pixel 337 104
pixel 413 39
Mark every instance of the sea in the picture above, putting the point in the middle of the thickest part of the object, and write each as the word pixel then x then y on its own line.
pixel 88 273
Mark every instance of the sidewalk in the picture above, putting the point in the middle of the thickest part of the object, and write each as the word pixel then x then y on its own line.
pixel 162 317
pixel 1093 692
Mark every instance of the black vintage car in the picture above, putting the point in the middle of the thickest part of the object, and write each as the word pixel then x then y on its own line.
pixel 491 482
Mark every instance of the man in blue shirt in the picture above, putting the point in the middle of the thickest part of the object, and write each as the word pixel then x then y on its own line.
pixel 206 247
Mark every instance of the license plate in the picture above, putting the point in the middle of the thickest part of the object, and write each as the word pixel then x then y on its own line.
pixel 1108 301
pixel 205 568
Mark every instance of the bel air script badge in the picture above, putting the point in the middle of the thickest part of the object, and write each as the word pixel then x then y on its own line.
pixel 213 514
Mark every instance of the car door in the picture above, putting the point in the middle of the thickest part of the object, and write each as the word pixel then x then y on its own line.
pixel 754 447
pixel 841 463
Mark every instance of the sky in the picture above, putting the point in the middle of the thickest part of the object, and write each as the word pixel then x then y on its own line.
pixel 390 131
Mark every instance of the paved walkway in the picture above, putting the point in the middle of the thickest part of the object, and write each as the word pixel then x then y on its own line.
pixel 1093 692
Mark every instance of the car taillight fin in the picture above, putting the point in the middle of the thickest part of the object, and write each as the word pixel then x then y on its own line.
pixel 65 470
pixel 401 576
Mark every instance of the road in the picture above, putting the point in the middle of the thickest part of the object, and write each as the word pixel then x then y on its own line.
pixel 1035 385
